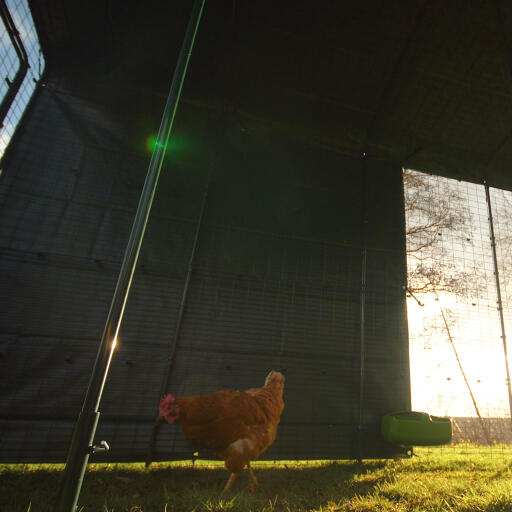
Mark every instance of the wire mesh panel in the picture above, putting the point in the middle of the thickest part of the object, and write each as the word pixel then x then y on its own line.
pixel 276 283
pixel 10 63
pixel 456 341
pixel 67 205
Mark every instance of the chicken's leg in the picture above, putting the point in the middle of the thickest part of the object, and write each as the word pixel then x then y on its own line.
pixel 254 481
pixel 232 478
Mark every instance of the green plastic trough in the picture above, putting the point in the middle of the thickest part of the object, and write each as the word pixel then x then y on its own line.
pixel 416 429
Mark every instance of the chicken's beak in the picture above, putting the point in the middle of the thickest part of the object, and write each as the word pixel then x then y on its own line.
pixel 159 418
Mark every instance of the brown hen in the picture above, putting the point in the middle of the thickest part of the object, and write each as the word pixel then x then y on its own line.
pixel 236 425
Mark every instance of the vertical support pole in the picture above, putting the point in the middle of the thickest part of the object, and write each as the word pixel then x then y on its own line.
pixel 85 427
pixel 179 321
pixel 362 352
pixel 362 308
pixel 498 293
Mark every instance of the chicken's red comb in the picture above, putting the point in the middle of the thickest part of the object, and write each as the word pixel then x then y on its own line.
pixel 167 399
pixel 168 410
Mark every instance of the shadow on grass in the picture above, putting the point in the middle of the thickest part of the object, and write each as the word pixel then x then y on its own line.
pixel 23 489
pixel 303 486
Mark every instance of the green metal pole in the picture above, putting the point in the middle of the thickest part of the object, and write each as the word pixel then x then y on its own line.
pixel 85 428
pixel 498 294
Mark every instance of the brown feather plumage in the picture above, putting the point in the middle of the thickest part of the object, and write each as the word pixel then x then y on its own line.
pixel 236 425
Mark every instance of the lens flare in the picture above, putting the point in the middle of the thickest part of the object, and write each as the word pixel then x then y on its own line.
pixel 152 143
pixel 173 145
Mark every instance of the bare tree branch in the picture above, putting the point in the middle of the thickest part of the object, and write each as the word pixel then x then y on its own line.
pixel 434 207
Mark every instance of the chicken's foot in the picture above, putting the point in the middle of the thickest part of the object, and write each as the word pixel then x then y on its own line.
pixel 232 478
pixel 254 481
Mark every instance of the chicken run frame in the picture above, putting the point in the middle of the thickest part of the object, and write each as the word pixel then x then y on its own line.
pixel 276 239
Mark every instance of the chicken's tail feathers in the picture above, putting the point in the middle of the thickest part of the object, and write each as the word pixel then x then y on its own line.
pixel 168 409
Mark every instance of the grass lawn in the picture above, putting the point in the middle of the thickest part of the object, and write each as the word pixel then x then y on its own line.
pixel 460 478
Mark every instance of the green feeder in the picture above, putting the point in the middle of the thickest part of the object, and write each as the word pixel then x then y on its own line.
pixel 416 429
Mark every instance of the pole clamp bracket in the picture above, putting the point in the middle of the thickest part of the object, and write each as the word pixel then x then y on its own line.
pixel 103 447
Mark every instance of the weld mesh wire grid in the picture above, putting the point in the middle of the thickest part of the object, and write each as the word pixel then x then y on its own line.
pixel 72 257
pixel 294 309
pixel 289 298
pixel 457 362
pixel 260 313
pixel 9 64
